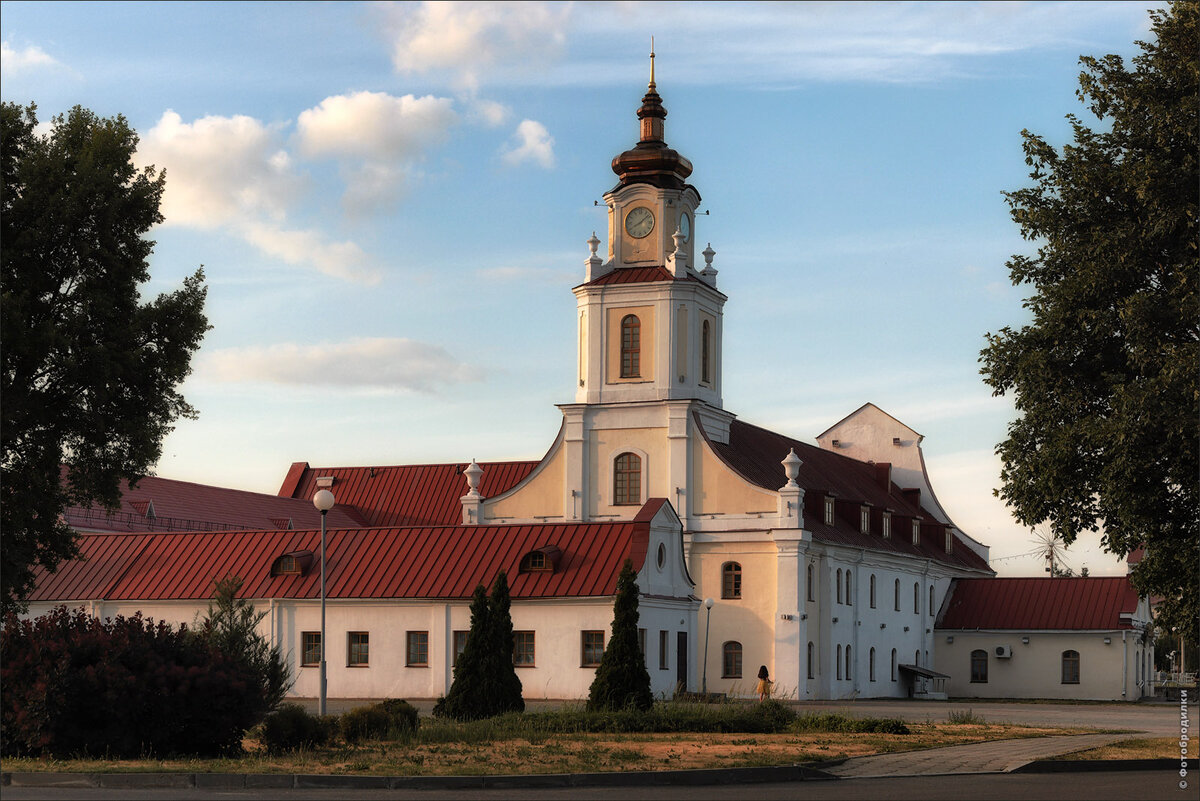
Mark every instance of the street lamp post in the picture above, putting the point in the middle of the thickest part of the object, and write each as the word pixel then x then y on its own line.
pixel 324 501
pixel 708 604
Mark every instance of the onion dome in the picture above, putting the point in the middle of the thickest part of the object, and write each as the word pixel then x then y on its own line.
pixel 650 161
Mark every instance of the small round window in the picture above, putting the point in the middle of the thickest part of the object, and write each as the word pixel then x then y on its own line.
pixel 662 555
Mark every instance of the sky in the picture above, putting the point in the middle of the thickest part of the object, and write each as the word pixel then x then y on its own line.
pixel 391 203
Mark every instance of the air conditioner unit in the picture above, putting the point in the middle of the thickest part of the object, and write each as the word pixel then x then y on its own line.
pixel 1003 651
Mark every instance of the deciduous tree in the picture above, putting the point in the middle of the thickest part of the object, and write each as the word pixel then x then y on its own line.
pixel 1104 377
pixel 90 373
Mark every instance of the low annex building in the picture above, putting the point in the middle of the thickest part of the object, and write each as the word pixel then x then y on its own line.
pixel 1082 638
pixel 398 596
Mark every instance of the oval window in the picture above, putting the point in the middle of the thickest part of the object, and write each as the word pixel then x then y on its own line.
pixel 662 555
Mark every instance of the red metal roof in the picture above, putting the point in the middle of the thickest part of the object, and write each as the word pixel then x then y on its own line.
pixel 184 506
pixel 1093 603
pixel 396 562
pixel 404 495
pixel 756 453
pixel 633 275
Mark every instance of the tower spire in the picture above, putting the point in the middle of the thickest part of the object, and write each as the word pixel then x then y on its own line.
pixel 651 62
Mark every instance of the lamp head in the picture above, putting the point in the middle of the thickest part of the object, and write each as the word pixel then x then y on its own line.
pixel 708 603
pixel 324 500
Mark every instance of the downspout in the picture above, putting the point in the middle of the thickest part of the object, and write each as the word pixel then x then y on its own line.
pixel 1124 664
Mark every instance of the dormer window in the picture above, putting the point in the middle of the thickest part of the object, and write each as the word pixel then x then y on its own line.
pixel 916 532
pixel 829 511
pixel 949 540
pixel 294 563
pixel 864 520
pixel 541 560
pixel 887 524
pixel 631 347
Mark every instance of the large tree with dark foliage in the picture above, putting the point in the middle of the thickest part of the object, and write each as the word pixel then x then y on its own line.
pixel 1105 376
pixel 503 685
pixel 231 627
pixel 90 373
pixel 622 680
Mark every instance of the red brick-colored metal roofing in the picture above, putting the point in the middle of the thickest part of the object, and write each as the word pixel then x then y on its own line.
pixel 638 275
pixel 1093 603
pixel 404 495
pixel 756 453
pixel 396 562
pixel 185 506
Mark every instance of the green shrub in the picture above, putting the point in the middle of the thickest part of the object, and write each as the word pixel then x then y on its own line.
pixel 121 687
pixel 392 719
pixel 291 727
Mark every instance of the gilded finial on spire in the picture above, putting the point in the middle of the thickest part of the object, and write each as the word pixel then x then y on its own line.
pixel 651 62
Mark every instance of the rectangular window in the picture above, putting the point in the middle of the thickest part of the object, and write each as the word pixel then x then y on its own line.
pixel 360 649
pixel 642 643
pixel 311 641
pixel 460 642
pixel 664 650
pixel 593 648
pixel 523 653
pixel 1070 667
pixel 418 649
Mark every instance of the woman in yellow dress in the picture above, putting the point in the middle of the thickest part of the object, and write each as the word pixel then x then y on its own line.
pixel 764 684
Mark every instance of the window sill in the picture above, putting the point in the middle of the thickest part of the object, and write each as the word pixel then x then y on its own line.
pixel 524 666
pixel 589 667
pixel 425 665
pixel 358 666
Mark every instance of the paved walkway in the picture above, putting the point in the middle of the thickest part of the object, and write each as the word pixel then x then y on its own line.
pixel 997 756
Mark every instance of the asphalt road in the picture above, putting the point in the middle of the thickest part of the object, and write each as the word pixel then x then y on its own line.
pixel 1093 786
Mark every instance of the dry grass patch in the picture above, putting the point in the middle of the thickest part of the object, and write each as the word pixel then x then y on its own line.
pixel 565 753
pixel 1137 748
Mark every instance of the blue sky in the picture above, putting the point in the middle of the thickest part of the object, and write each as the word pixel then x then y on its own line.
pixel 391 203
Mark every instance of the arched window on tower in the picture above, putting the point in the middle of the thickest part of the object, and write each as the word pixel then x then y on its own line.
pixel 627 480
pixel 731 580
pixel 631 347
pixel 705 352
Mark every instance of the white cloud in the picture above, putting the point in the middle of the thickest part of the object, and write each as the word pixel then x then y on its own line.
pixel 531 143
pixel 471 40
pixel 233 173
pixel 29 57
pixel 219 169
pixel 375 125
pixel 396 364
pixel 489 112
pixel 344 260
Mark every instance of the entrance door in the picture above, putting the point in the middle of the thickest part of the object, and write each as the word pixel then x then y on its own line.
pixel 681 661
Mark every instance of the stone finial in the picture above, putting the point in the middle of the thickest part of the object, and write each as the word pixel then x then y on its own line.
pixel 708 254
pixel 473 471
pixel 594 261
pixel 791 467
pixel 678 236
pixel 593 244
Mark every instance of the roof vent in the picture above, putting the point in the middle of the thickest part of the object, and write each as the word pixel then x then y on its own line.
pixel 282 523
pixel 324 482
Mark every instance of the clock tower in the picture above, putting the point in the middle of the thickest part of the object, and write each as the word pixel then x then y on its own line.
pixel 650 318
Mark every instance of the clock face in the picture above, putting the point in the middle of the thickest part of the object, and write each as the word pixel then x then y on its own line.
pixel 639 222
pixel 685 226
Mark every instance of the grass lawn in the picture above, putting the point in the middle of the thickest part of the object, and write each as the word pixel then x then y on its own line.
pixel 514 746
pixel 1138 748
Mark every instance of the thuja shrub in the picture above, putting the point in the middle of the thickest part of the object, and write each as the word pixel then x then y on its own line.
pixel 392 719
pixel 121 687
pixel 291 728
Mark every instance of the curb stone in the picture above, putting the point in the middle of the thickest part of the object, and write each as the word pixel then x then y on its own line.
pixel 228 781
pixel 1088 765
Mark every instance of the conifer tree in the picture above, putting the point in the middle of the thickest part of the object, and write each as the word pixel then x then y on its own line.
pixel 464 701
pixel 622 680
pixel 504 687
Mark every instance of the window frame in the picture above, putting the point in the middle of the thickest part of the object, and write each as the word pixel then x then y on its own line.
pixel 872 590
pixel 518 636
pixel 849 594
pixel 839 585
pixel 1068 660
pixel 358 654
pixel 812 595
pixel 871 663
pixel 455 650
pixel 896 592
pixel 837 662
pixel 864 520
pixel 534 562
pixel 664 649
pixel 849 663
pixel 731 581
pixel 588 641
pixel 811 660
pixel 895 672
pixel 731 659
pixel 979 666
pixel 631 346
pixel 631 472
pixel 705 352
pixel 886 525
pixel 310 641
pixel 916 597
pixel 829 511
pixel 412 638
